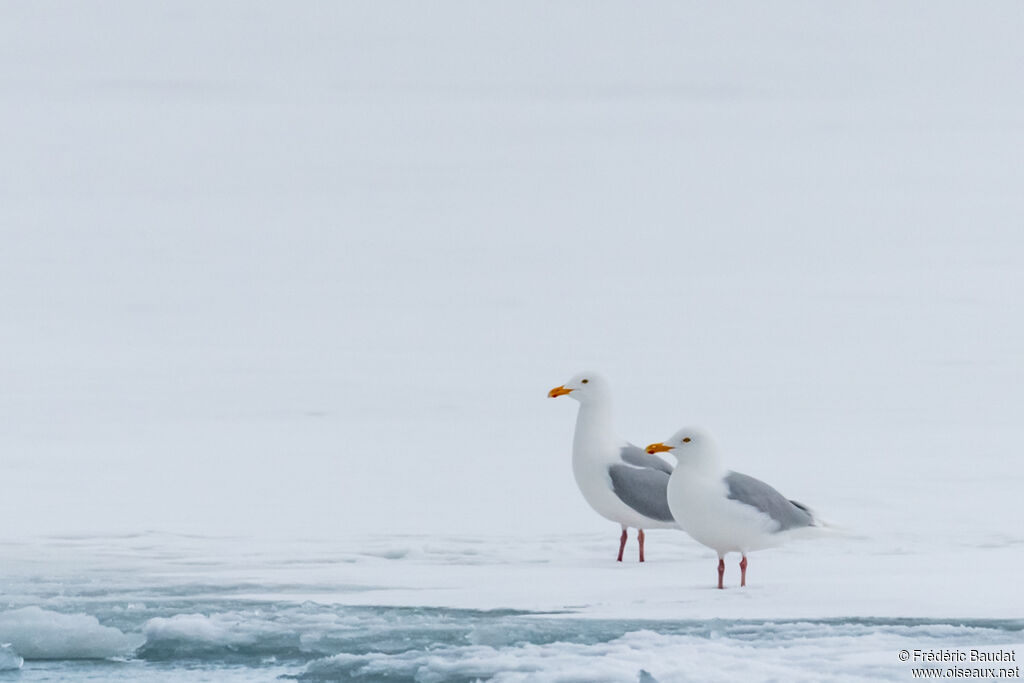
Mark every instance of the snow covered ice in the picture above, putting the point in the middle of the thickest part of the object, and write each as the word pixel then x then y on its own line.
pixel 10 660
pixel 428 609
pixel 40 634
pixel 283 289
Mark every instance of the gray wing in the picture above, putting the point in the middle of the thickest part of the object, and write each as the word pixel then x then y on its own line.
pixel 634 455
pixel 754 492
pixel 643 489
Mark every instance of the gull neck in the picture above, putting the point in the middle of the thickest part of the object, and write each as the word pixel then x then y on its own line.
pixel 594 422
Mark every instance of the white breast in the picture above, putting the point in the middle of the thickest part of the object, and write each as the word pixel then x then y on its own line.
pixel 702 508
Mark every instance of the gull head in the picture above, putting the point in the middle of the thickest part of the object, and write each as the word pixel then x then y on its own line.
pixel 687 445
pixel 585 387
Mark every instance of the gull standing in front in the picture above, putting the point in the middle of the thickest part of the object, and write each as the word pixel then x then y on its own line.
pixel 724 510
pixel 617 479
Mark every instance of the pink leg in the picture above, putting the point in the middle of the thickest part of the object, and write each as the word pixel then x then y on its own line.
pixel 721 571
pixel 622 543
pixel 640 534
pixel 743 571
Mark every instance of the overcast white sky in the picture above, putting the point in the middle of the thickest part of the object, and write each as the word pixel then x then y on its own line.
pixel 311 269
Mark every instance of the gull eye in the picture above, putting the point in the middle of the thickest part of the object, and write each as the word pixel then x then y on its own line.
pixel 686 439
pixel 585 381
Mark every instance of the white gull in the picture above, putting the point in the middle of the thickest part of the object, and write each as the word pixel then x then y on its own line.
pixel 724 510
pixel 620 481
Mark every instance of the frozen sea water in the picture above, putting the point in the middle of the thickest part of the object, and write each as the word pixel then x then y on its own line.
pixel 198 639
pixel 160 607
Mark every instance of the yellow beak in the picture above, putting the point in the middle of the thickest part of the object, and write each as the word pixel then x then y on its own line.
pixel 558 391
pixel 658 448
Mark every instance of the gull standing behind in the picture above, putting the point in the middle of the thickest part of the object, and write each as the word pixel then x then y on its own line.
pixel 617 479
pixel 728 511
